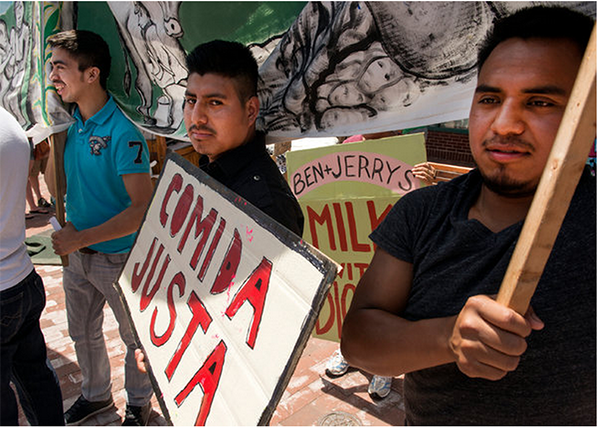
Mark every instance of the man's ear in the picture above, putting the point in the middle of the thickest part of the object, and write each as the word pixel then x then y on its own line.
pixel 93 74
pixel 253 108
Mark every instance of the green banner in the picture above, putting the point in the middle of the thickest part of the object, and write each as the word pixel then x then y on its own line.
pixel 24 27
pixel 149 42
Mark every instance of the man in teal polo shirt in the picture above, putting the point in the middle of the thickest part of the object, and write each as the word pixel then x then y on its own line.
pixel 108 189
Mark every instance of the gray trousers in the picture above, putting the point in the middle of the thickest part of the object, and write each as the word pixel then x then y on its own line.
pixel 88 283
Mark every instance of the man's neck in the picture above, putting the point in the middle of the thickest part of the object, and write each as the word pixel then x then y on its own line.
pixel 498 212
pixel 92 104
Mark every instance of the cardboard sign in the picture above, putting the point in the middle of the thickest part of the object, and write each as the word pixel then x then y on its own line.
pixel 221 297
pixel 345 191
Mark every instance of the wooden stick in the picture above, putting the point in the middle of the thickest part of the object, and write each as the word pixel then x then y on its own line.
pixel 57 142
pixel 555 191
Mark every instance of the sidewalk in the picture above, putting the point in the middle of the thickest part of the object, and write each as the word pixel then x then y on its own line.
pixel 311 398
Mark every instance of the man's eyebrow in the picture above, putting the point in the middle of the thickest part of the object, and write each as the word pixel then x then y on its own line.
pixel 58 61
pixel 213 95
pixel 546 89
pixel 543 89
pixel 487 88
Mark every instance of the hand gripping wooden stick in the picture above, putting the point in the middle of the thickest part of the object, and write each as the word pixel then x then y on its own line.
pixel 57 142
pixel 555 191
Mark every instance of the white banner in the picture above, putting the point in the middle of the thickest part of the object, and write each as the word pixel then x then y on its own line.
pixel 326 68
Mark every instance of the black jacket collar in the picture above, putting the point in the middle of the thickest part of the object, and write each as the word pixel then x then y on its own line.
pixel 235 160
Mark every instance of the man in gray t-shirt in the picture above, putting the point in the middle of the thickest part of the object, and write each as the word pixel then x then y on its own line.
pixel 424 306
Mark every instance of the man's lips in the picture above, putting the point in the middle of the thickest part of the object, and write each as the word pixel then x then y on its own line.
pixel 199 133
pixel 506 154
pixel 503 151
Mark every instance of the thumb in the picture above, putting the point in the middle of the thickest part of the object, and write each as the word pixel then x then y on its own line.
pixel 534 321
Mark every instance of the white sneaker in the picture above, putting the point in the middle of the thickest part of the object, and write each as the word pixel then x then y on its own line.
pixel 337 365
pixel 380 386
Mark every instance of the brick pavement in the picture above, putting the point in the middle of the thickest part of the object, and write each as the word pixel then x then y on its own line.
pixel 311 398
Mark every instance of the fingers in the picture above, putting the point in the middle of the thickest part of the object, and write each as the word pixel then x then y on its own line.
pixel 500 316
pixel 64 240
pixel 422 176
pixel 56 242
pixel 140 359
pixel 424 172
pixel 485 362
pixel 534 321
pixel 476 328
pixel 488 338
pixel 59 243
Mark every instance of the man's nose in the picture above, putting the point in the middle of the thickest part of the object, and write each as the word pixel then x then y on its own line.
pixel 509 119
pixel 52 76
pixel 199 113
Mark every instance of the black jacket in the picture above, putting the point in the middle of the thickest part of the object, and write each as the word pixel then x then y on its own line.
pixel 249 171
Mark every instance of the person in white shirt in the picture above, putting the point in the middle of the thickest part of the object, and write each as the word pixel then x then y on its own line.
pixel 22 296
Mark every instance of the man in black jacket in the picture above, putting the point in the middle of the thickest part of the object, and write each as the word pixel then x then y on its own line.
pixel 220 111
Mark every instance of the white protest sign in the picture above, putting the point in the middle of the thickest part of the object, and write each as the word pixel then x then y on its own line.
pixel 222 299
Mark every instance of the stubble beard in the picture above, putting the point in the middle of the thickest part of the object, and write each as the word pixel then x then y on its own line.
pixel 499 180
pixel 500 183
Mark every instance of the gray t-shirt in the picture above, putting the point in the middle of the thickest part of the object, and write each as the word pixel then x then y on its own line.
pixel 454 258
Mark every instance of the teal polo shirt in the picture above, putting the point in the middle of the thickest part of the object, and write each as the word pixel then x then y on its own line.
pixel 97 155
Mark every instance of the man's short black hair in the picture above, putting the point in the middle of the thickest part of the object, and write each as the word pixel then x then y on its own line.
pixel 229 59
pixel 544 22
pixel 88 48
